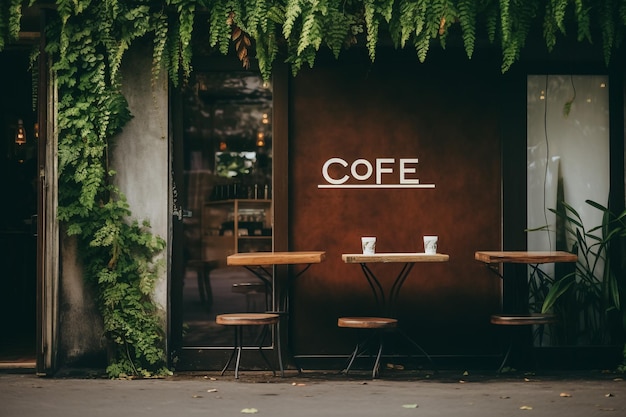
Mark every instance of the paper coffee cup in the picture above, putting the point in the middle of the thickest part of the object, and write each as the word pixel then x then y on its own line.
pixel 430 244
pixel 368 243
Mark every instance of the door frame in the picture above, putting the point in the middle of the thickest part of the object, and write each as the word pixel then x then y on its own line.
pixel 48 251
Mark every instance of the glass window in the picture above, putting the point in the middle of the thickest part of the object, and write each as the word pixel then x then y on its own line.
pixel 567 161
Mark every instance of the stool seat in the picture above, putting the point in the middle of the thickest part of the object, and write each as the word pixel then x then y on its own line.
pixel 377 325
pixel 522 319
pixel 247 319
pixel 239 320
pixel 367 322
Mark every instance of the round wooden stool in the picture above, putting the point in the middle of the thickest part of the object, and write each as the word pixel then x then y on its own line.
pixel 376 323
pixel 239 321
pixel 519 320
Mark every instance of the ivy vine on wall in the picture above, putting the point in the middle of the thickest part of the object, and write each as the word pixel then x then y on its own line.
pixel 88 39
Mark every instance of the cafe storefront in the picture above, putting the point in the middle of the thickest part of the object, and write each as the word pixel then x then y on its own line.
pixel 394 149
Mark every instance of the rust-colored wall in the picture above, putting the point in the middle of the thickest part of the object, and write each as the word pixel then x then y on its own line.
pixel 446 116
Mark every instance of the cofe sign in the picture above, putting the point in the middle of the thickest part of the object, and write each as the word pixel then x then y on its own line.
pixel 338 173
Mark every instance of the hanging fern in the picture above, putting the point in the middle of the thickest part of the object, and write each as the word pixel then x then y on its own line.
pixel 159 51
pixel 583 21
pixel 219 28
pixel 467 20
pixel 554 21
pixel 517 28
pixel 371 26
pixel 607 10
pixel 10 14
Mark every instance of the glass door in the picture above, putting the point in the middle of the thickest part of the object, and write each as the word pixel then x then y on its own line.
pixel 226 129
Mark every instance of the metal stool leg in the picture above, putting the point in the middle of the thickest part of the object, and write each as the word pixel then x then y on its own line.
pixel 280 351
pixel 376 369
pixel 361 347
pixel 352 358
pixel 236 350
pixel 261 341
pixel 506 358
pixel 414 343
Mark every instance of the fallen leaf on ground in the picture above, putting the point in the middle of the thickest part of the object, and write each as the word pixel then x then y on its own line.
pixel 565 394
pixel 409 406
pixel 525 407
pixel 197 396
pixel 212 390
pixel 609 395
pixel 249 411
pixel 504 397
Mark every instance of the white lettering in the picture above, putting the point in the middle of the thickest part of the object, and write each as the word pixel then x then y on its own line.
pixel 362 170
pixel 408 170
pixel 368 172
pixel 380 170
pixel 327 177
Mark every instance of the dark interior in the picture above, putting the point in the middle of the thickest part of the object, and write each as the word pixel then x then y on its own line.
pixel 17 225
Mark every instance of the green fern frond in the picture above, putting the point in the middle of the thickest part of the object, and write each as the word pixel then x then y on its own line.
pixel 608 28
pixel 160 31
pixel 219 29
pixel 276 14
pixel 449 16
pixel 337 30
pixel 311 35
pixel 492 19
pixel 266 51
pixel 10 17
pixel 422 45
pixel 554 15
pixel 583 20
pixel 505 23
pixel 467 21
pixel 557 9
pixel 510 53
pixel 293 12
pixel 522 14
pixel 410 20
pixel 371 27
pixel 385 9
pixel 186 19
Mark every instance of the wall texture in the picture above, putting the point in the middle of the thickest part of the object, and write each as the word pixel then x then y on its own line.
pixel 445 113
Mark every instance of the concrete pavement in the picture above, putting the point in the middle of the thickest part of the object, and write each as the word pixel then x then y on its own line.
pixel 316 393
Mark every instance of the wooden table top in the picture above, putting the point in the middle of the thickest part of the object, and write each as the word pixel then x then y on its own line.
pixel 524 257
pixel 275 258
pixel 359 258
